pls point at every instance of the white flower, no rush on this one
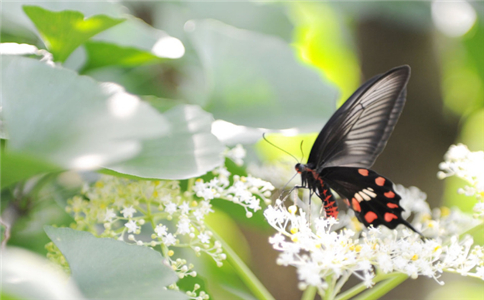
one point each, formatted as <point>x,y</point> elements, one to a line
<point>128,212</point>
<point>254,204</point>
<point>206,193</point>
<point>310,273</point>
<point>237,154</point>
<point>204,238</point>
<point>461,162</point>
<point>479,209</point>
<point>413,200</point>
<point>183,226</point>
<point>161,230</point>
<point>368,279</point>
<point>169,240</point>
<point>170,208</point>
<point>132,226</point>
<point>184,208</point>
<point>110,215</point>
<point>480,272</point>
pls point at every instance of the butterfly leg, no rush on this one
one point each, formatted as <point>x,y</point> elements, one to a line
<point>296,187</point>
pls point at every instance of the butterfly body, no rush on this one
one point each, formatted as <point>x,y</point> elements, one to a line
<point>347,147</point>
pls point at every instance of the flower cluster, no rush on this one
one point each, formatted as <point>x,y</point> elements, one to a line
<point>245,191</point>
<point>162,214</point>
<point>461,162</point>
<point>326,258</point>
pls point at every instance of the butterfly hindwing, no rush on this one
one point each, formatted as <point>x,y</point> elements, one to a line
<point>370,195</point>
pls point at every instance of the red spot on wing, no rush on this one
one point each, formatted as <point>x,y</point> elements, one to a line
<point>370,217</point>
<point>363,172</point>
<point>392,205</point>
<point>389,217</point>
<point>347,202</point>
<point>356,205</point>
<point>389,194</point>
<point>380,181</point>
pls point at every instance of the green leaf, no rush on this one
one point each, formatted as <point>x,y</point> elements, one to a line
<point>130,44</point>
<point>255,80</point>
<point>101,54</point>
<point>69,120</point>
<point>190,150</point>
<point>106,268</point>
<point>16,167</point>
<point>265,17</point>
<point>66,30</point>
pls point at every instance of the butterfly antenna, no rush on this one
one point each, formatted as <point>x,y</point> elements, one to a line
<point>264,137</point>
<point>302,152</point>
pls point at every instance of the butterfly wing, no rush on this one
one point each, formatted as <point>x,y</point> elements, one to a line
<point>370,195</point>
<point>359,130</point>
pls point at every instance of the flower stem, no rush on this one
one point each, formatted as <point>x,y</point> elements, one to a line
<point>351,292</point>
<point>309,293</point>
<point>245,274</point>
<point>471,230</point>
<point>328,294</point>
<point>393,279</point>
<point>191,181</point>
<point>381,289</point>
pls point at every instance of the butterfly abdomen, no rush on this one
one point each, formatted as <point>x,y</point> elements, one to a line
<point>312,180</point>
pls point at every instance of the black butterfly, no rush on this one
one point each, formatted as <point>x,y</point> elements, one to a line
<point>347,147</point>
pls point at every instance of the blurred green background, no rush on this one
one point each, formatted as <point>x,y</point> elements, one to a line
<point>283,66</point>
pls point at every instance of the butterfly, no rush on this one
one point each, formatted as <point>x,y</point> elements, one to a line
<point>348,145</point>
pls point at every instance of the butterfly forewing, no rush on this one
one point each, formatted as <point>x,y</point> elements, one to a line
<point>358,131</point>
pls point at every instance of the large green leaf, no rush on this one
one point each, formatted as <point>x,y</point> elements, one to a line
<point>69,120</point>
<point>66,30</point>
<point>109,269</point>
<point>189,151</point>
<point>264,17</point>
<point>255,80</point>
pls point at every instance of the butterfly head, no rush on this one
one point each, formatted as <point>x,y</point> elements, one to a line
<point>300,168</point>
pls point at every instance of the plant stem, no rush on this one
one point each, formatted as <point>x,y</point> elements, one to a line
<point>328,294</point>
<point>191,181</point>
<point>349,294</point>
<point>245,274</point>
<point>381,289</point>
<point>309,293</point>
<point>471,230</point>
